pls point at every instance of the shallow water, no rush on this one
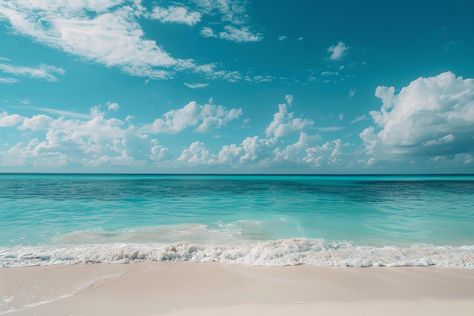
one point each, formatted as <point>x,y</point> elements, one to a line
<point>103,212</point>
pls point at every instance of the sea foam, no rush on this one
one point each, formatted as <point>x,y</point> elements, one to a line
<point>295,251</point>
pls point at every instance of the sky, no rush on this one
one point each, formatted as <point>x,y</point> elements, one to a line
<point>234,86</point>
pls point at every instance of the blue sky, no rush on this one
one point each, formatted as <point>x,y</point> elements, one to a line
<point>236,86</point>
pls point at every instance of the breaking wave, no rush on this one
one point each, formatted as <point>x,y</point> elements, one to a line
<point>283,252</point>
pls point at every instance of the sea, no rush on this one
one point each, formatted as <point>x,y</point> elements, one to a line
<point>264,220</point>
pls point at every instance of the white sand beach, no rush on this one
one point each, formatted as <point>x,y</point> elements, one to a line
<point>226,289</point>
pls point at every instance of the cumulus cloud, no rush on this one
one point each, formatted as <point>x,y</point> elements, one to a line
<point>157,151</point>
<point>285,122</point>
<point>46,72</point>
<point>7,120</point>
<point>270,150</point>
<point>196,153</point>
<point>93,140</point>
<point>328,153</point>
<point>252,148</point>
<point>204,117</point>
<point>292,151</point>
<point>260,151</point>
<point>27,154</point>
<point>72,141</point>
<point>337,51</point>
<point>432,116</point>
<point>306,150</point>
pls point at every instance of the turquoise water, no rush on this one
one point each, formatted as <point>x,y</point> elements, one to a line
<point>51,211</point>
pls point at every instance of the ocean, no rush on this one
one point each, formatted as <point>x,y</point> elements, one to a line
<point>337,221</point>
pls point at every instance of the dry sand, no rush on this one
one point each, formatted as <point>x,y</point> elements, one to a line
<point>219,289</point>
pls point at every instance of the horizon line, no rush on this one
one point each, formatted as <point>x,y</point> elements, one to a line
<point>236,174</point>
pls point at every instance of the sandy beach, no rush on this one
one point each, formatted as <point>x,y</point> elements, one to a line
<point>220,289</point>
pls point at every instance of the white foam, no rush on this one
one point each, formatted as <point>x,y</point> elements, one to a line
<point>294,251</point>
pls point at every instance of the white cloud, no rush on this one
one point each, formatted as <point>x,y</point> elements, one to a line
<point>431,116</point>
<point>337,51</point>
<point>239,34</point>
<point>93,140</point>
<point>207,32</point>
<point>45,72</point>
<point>61,112</point>
<point>62,141</point>
<point>232,11</point>
<point>271,151</point>
<point>442,140</point>
<point>157,151</point>
<point>360,118</point>
<point>210,71</point>
<point>203,117</point>
<point>196,153</point>
<point>36,122</point>
<point>7,120</point>
<point>196,85</point>
<point>259,78</point>
<point>175,121</point>
<point>233,34</point>
<point>8,80</point>
<point>214,117</point>
<point>327,129</point>
<point>108,31</point>
<point>289,99</point>
<point>176,14</point>
<point>293,151</point>
<point>113,106</point>
<point>456,160</point>
<point>282,37</point>
<point>255,151</point>
<point>23,154</point>
<point>252,148</point>
<point>284,122</point>
<point>328,153</point>
<point>105,32</point>
<point>329,73</point>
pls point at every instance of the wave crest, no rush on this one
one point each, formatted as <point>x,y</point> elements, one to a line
<point>282,252</point>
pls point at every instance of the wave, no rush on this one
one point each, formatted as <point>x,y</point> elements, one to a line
<point>221,233</point>
<point>283,252</point>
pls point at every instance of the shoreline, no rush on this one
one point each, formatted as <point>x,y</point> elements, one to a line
<point>279,252</point>
<point>158,288</point>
